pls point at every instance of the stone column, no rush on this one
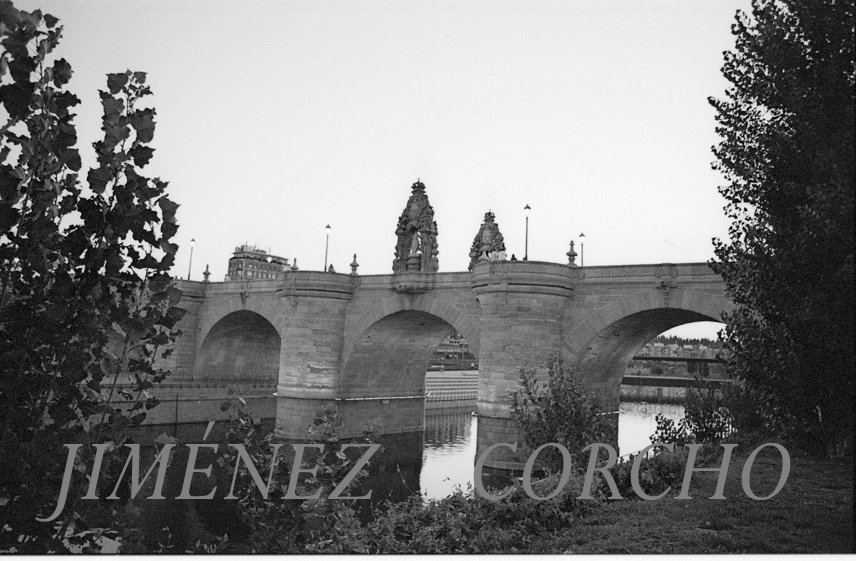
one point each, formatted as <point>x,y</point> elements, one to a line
<point>521,304</point>
<point>310,369</point>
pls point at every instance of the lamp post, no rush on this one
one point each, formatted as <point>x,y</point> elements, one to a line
<point>582,251</point>
<point>189,265</point>
<point>326,247</point>
<point>270,269</point>
<point>526,211</point>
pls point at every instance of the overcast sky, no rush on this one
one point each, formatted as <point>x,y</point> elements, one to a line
<point>276,118</point>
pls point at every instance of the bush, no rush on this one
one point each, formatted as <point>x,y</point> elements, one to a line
<point>656,474</point>
<point>290,526</point>
<point>561,412</point>
<point>466,523</point>
<point>707,418</point>
<point>461,523</point>
<point>249,522</point>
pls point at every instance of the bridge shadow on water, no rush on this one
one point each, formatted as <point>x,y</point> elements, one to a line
<point>423,463</point>
<point>432,463</point>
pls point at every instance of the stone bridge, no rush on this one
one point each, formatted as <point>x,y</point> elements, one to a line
<point>365,341</point>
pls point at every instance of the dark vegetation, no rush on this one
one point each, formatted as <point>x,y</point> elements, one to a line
<point>86,302</point>
<point>787,153</point>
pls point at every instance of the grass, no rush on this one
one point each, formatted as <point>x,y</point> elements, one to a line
<point>813,513</point>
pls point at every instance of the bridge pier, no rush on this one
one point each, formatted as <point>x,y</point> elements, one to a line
<point>314,304</point>
<point>312,375</point>
<point>521,305</point>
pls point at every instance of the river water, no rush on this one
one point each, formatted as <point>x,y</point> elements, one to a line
<point>449,445</point>
<point>433,462</point>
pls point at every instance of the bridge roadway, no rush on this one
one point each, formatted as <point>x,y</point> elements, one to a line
<point>365,342</point>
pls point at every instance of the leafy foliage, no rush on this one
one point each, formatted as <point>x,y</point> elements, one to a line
<point>560,411</point>
<point>657,473</point>
<point>707,419</point>
<point>465,523</point>
<point>85,295</point>
<point>787,153</point>
<point>461,523</point>
<point>277,524</point>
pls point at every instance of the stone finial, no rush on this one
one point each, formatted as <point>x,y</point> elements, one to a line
<point>572,255</point>
<point>206,274</point>
<point>330,269</point>
<point>487,242</point>
<point>354,266</point>
<point>294,265</point>
<point>416,248</point>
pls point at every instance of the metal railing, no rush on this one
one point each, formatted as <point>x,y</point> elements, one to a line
<point>468,394</point>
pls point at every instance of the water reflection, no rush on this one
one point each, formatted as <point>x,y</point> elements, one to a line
<point>441,458</point>
<point>432,462</point>
<point>448,452</point>
<point>449,447</point>
<point>637,422</point>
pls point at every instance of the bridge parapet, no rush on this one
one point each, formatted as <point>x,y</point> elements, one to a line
<point>295,284</point>
<point>413,283</point>
<point>627,275</point>
<point>531,277</point>
<point>391,281</point>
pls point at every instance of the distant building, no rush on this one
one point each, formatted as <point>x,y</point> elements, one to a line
<point>251,263</point>
<point>454,353</point>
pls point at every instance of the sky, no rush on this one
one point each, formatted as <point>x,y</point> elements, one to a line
<point>275,119</point>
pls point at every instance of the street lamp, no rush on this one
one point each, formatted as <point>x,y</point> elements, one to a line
<point>189,265</point>
<point>526,211</point>
<point>582,251</point>
<point>326,247</point>
<point>270,269</point>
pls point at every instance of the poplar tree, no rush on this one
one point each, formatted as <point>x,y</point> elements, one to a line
<point>87,307</point>
<point>787,154</point>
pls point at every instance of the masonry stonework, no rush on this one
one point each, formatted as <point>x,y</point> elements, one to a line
<point>364,342</point>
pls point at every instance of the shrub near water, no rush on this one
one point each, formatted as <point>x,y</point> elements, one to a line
<point>560,411</point>
<point>466,523</point>
<point>461,523</point>
<point>281,525</point>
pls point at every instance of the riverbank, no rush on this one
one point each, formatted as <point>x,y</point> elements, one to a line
<point>813,513</point>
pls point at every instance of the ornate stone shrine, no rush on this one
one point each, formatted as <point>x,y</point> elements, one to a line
<point>487,241</point>
<point>416,249</point>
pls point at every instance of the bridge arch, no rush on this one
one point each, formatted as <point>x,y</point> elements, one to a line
<point>388,350</point>
<point>601,346</point>
<point>268,309</point>
<point>452,314</point>
<point>242,346</point>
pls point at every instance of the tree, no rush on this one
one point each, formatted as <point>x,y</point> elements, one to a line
<point>85,294</point>
<point>692,367</point>
<point>787,154</point>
